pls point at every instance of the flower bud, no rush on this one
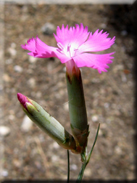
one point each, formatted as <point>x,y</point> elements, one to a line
<point>47,123</point>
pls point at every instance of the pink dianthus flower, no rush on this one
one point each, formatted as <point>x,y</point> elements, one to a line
<point>77,45</point>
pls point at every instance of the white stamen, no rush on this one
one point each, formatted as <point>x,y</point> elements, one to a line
<point>68,49</point>
<point>60,46</point>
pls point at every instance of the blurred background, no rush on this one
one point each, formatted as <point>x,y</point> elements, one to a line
<point>28,153</point>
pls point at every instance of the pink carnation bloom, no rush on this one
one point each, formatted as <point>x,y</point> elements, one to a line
<point>75,44</point>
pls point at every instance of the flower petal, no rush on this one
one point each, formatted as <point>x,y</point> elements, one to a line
<point>97,42</point>
<point>62,57</point>
<point>39,49</point>
<point>74,35</point>
<point>30,46</point>
<point>95,61</point>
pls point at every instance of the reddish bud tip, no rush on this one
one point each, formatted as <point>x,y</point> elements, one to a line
<point>23,99</point>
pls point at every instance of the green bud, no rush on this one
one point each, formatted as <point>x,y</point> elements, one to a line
<point>47,123</point>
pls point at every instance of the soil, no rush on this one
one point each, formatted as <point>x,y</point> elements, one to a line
<point>109,96</point>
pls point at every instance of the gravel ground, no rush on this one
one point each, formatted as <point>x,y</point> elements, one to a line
<point>109,97</point>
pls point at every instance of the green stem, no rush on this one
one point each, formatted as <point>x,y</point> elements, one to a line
<point>93,144</point>
<point>68,166</point>
<point>79,179</point>
<point>77,109</point>
<point>87,159</point>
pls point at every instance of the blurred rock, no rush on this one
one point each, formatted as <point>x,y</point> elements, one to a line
<point>18,68</point>
<point>54,158</point>
<point>25,9</point>
<point>48,29</point>
<point>13,45</point>
<point>100,132</point>
<point>103,125</point>
<point>87,172</point>
<point>32,82</point>
<point>124,33</point>
<point>4,173</point>
<point>38,164</point>
<point>106,105</point>
<point>1,88</point>
<point>12,51</point>
<point>66,106</point>
<point>118,67</point>
<point>17,163</point>
<point>38,94</point>
<point>26,124</point>
<point>95,80</point>
<point>103,26</point>
<point>9,61</point>
<point>4,131</point>
<point>6,78</point>
<point>123,78</point>
<point>118,150</point>
<point>55,145</point>
<point>41,138</point>
<point>11,117</point>
<point>73,167</point>
<point>32,60</point>
<point>94,118</point>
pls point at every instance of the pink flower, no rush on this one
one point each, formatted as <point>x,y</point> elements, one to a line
<point>76,44</point>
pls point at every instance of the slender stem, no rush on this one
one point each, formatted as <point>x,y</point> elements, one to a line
<point>79,179</point>
<point>93,144</point>
<point>68,166</point>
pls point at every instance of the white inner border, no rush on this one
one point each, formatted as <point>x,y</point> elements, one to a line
<point>1,81</point>
<point>2,2</point>
<point>70,1</point>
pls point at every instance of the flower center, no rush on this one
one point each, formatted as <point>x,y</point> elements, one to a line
<point>69,50</point>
